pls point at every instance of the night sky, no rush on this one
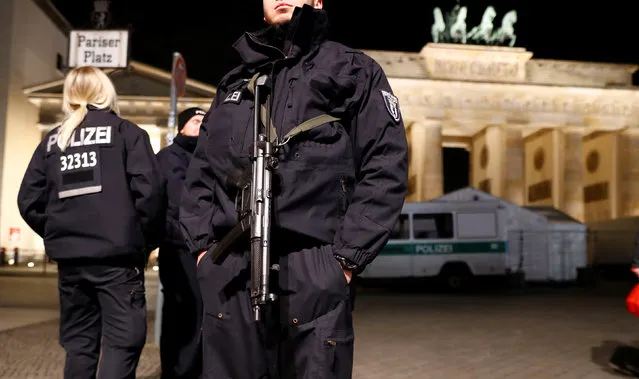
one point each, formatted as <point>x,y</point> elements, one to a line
<point>203,32</point>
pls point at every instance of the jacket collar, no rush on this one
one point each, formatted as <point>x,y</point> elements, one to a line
<point>186,142</point>
<point>96,109</point>
<point>307,29</point>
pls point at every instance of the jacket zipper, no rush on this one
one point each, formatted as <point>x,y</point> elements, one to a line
<point>284,57</point>
<point>266,45</point>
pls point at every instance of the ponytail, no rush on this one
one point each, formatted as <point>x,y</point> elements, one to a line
<point>68,126</point>
<point>84,85</point>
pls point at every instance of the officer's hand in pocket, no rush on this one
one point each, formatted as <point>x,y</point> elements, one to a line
<point>200,256</point>
<point>348,274</point>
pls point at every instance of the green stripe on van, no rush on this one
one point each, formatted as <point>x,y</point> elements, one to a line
<point>437,248</point>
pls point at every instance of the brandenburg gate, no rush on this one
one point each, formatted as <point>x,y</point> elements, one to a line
<point>539,132</point>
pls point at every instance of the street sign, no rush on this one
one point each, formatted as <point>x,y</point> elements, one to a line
<point>179,75</point>
<point>99,48</point>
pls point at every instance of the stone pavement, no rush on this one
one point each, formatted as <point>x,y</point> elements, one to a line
<point>12,318</point>
<point>562,333</point>
<point>33,352</point>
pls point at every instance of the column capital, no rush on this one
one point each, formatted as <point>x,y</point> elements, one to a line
<point>630,131</point>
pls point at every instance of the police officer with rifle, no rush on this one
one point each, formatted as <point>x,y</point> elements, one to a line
<point>299,174</point>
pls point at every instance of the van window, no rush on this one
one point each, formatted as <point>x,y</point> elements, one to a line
<point>400,231</point>
<point>433,226</point>
<point>476,225</point>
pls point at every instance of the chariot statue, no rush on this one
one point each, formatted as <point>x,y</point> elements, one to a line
<point>483,32</point>
<point>452,28</point>
<point>458,24</point>
<point>438,29</point>
<point>506,31</point>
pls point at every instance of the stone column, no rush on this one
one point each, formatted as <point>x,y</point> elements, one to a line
<point>426,159</point>
<point>498,157</point>
<point>515,186</point>
<point>411,195</point>
<point>601,153</point>
<point>573,174</point>
<point>629,162</point>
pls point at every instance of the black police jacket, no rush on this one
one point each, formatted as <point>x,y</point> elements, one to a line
<point>174,161</point>
<point>102,197</point>
<point>342,183</point>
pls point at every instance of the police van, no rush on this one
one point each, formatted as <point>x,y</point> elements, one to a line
<point>449,241</point>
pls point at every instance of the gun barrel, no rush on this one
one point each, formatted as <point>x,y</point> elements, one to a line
<point>261,209</point>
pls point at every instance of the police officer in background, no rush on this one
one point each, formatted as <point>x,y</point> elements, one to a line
<point>339,189</point>
<point>95,193</point>
<point>180,349</point>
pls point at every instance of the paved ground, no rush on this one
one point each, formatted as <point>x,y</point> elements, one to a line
<point>543,335</point>
<point>32,351</point>
<point>538,334</point>
<point>12,318</point>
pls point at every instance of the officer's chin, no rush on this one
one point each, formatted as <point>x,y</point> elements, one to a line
<point>280,19</point>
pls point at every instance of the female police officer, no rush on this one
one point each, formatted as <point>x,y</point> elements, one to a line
<point>94,192</point>
<point>340,187</point>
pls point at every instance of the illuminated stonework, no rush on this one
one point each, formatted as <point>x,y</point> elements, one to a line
<point>527,123</point>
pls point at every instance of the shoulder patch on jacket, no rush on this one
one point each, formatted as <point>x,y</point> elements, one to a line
<point>392,105</point>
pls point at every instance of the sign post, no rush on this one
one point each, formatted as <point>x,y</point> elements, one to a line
<point>178,85</point>
<point>99,47</point>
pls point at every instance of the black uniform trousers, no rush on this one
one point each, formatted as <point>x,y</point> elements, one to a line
<point>308,334</point>
<point>102,317</point>
<point>180,347</point>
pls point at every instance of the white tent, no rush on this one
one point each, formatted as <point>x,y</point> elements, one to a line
<point>545,243</point>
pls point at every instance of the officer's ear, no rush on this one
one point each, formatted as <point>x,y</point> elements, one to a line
<point>318,4</point>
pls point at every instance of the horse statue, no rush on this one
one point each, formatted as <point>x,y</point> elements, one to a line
<point>506,31</point>
<point>458,27</point>
<point>483,32</point>
<point>439,26</point>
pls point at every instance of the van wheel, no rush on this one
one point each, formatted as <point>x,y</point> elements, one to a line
<point>456,278</point>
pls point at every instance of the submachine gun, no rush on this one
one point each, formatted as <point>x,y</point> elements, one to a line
<point>254,203</point>
<point>254,195</point>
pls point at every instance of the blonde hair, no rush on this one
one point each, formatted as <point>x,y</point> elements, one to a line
<point>83,86</point>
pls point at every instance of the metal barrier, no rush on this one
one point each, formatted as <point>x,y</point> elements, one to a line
<point>612,247</point>
<point>558,255</point>
<point>547,255</point>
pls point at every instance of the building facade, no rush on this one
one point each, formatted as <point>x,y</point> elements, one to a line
<point>32,40</point>
<point>539,132</point>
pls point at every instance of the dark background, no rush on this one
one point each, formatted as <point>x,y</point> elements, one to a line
<point>203,31</point>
